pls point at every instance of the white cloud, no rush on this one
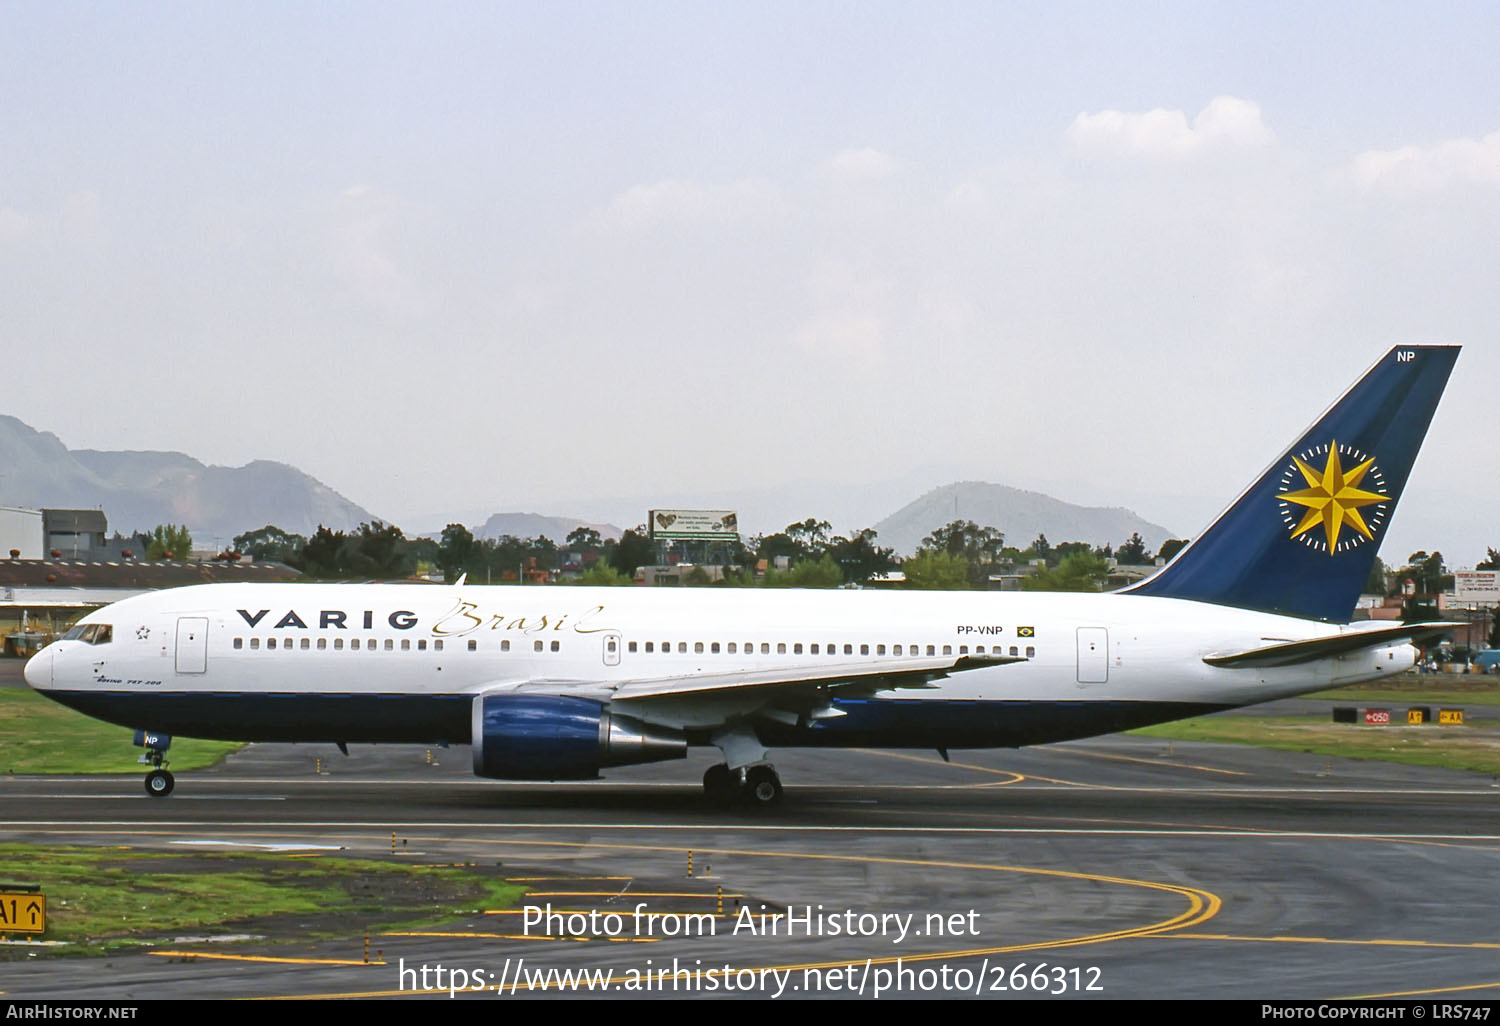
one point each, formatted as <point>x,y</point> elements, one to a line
<point>676,201</point>
<point>1166,134</point>
<point>857,336</point>
<point>363,248</point>
<point>864,164</point>
<point>13,225</point>
<point>1430,168</point>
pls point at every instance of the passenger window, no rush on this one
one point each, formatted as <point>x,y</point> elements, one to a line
<point>963,649</point>
<point>864,650</point>
<point>1030,652</point>
<point>1013,651</point>
<point>698,647</point>
<point>947,650</point>
<point>437,646</point>
<point>880,650</point>
<point>536,646</point>
<point>406,644</point>
<point>731,648</point>
<point>473,645</point>
<point>781,648</point>
<point>765,648</point>
<point>239,642</point>
<point>896,650</point>
<point>390,646</point>
<point>631,647</point>
<point>254,644</point>
<point>421,644</point>
<point>797,648</point>
<point>682,647</point>
<point>649,646</point>
<point>270,642</point>
<point>556,646</point>
<point>504,645</point>
<point>814,648</point>
<point>714,648</point>
<point>338,644</point>
<point>931,650</point>
<point>354,644</point>
<point>979,649</point>
<point>306,644</point>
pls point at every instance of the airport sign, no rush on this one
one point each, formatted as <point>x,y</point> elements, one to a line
<point>23,912</point>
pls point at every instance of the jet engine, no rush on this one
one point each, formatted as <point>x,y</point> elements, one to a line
<point>557,737</point>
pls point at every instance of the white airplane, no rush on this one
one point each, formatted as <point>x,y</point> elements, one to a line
<point>556,683</point>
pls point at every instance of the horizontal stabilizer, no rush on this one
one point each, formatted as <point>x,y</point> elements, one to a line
<point>1290,653</point>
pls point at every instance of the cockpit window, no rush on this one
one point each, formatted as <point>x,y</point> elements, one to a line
<point>91,633</point>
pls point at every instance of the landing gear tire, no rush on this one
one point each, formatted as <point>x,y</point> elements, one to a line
<point>762,787</point>
<point>719,786</point>
<point>159,783</point>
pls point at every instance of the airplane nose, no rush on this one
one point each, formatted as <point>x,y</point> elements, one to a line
<point>38,669</point>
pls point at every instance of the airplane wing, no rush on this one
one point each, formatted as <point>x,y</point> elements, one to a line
<point>878,676</point>
<point>1290,653</point>
<point>866,677</point>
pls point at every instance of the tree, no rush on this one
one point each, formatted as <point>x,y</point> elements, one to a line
<point>1040,549</point>
<point>584,539</point>
<point>802,541</point>
<point>1170,548</point>
<point>1082,571</point>
<point>168,542</point>
<point>1133,552</point>
<point>978,547</point>
<point>635,549</point>
<point>860,559</point>
<point>270,543</point>
<point>820,573</point>
<point>936,570</point>
<point>601,575</point>
<point>1492,563</point>
<point>456,552</point>
<point>1379,579</point>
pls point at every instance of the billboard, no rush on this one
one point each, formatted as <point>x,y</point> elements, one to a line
<point>1477,586</point>
<point>694,524</point>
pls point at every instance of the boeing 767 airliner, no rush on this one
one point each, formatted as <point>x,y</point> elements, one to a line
<point>557,683</point>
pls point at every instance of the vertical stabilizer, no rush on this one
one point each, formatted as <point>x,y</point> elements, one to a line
<point>1302,539</point>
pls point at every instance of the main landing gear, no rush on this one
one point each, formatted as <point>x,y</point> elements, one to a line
<point>757,785</point>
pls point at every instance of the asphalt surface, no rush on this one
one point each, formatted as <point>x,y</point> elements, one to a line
<point>1144,869</point>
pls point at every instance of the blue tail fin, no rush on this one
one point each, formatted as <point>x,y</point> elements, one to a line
<point>1302,539</point>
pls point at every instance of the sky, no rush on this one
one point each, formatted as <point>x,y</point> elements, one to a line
<point>513,256</point>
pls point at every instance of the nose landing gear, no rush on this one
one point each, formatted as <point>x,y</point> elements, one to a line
<point>159,782</point>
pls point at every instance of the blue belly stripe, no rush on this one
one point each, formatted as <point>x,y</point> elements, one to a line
<point>425,719</point>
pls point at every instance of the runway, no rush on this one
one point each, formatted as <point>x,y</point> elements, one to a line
<point>1122,867</point>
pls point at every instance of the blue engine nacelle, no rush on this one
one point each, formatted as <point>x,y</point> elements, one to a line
<point>555,737</point>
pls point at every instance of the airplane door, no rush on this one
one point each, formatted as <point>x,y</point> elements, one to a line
<point>611,648</point>
<point>192,644</point>
<point>1093,655</point>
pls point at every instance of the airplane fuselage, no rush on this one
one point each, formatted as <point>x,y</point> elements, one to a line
<point>404,663</point>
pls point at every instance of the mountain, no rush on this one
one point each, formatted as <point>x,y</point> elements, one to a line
<point>1019,515</point>
<point>138,490</point>
<point>530,525</point>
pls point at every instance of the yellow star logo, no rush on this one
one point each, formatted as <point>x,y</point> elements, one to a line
<point>1333,498</point>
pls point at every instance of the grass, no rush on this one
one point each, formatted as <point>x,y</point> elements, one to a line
<point>1460,748</point>
<point>1421,689</point>
<point>103,899</point>
<point>38,735</point>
